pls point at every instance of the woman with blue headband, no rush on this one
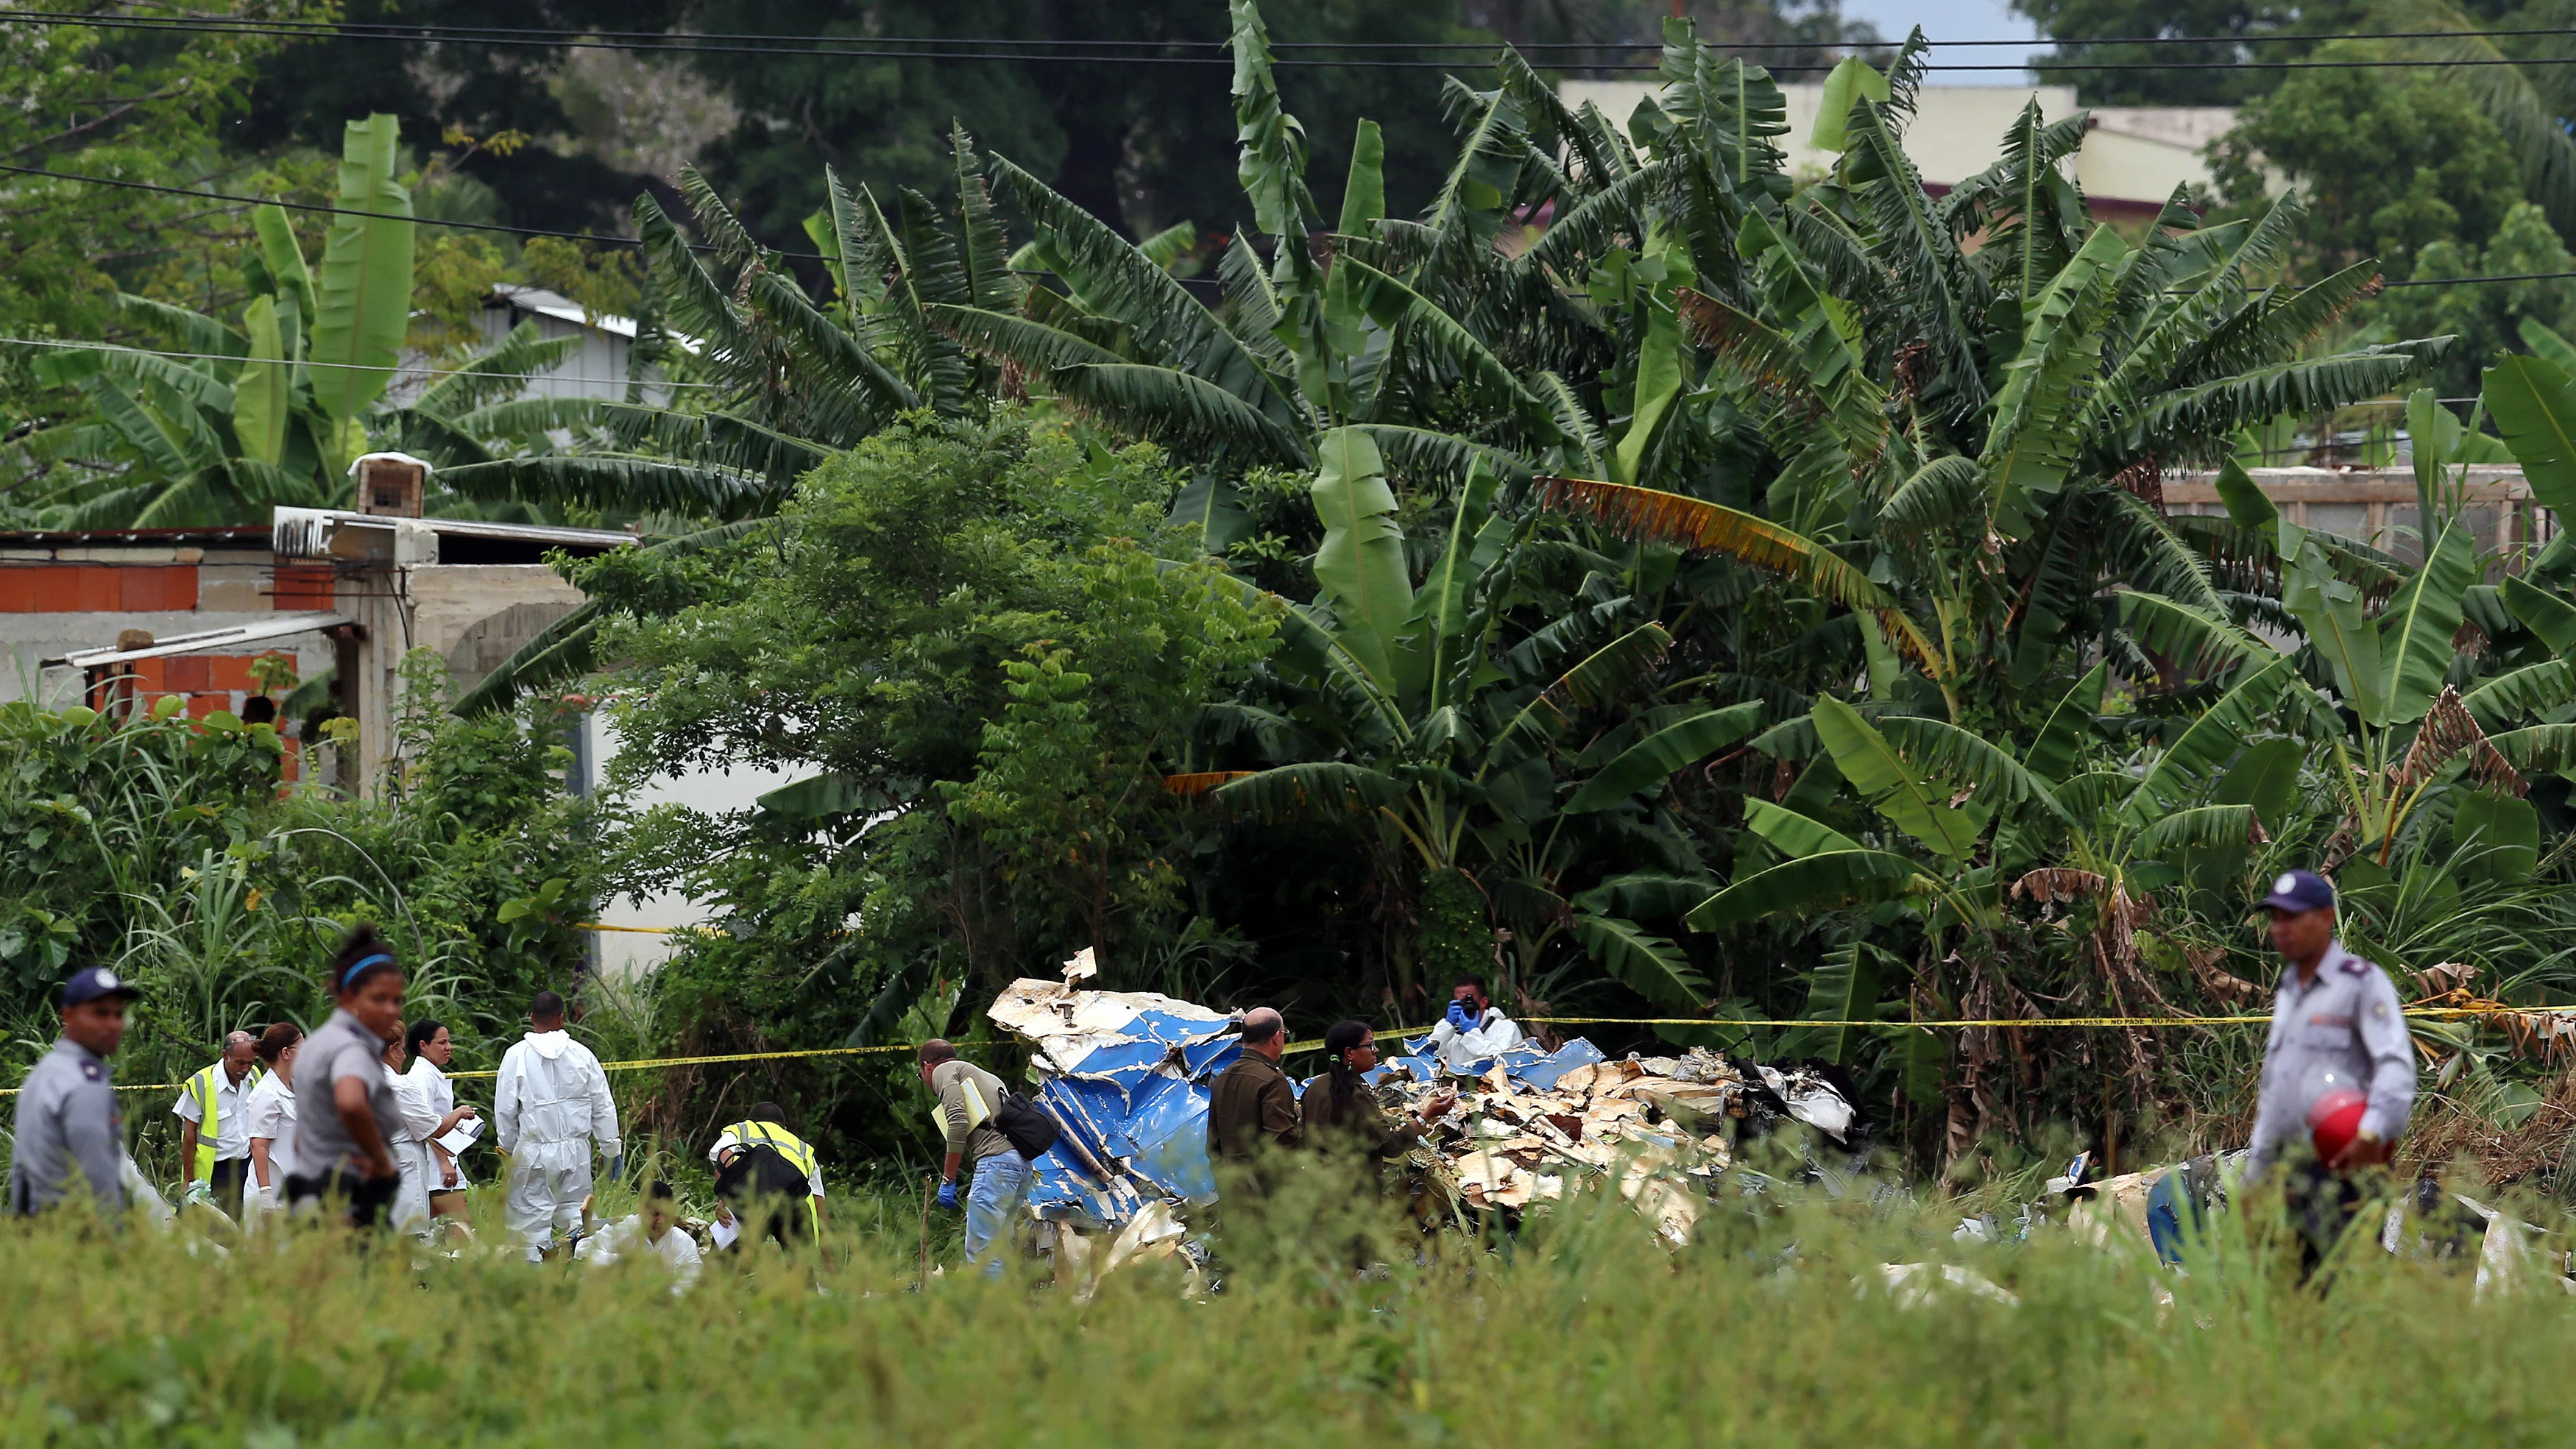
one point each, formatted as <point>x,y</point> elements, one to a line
<point>349,1116</point>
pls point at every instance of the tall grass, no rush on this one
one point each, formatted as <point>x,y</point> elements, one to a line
<point>1770,1328</point>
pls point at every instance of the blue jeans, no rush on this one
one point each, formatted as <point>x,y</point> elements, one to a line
<point>1001,1181</point>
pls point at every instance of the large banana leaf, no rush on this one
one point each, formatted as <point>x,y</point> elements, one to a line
<point>1808,884</point>
<point>1842,990</point>
<point>364,304</point>
<point>1309,791</point>
<point>2187,768</point>
<point>1795,834</point>
<point>2029,444</point>
<point>1645,963</point>
<point>2521,694</point>
<point>2200,643</point>
<point>2054,750</point>
<point>2533,402</point>
<point>1361,561</point>
<point>1692,523</point>
<point>1112,279</point>
<point>1656,758</point>
<point>1880,773</point>
<point>1435,634</point>
<point>1180,410</point>
<point>264,392</point>
<point>1945,754</point>
<point>619,484</point>
<point>2543,613</point>
<point>2416,629</point>
<point>2330,610</point>
<point>283,257</point>
<point>2202,827</point>
<point>1272,169</point>
<point>1600,674</point>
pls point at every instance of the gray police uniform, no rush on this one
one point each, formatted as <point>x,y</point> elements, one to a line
<point>68,1123</point>
<point>2350,1023</point>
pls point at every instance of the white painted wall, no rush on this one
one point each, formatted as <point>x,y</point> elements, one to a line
<point>2134,153</point>
<point>630,951</point>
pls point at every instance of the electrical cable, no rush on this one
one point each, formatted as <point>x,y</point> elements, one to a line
<point>342,29</point>
<point>1051,52</point>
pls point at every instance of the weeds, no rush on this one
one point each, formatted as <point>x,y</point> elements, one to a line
<point>1772,1327</point>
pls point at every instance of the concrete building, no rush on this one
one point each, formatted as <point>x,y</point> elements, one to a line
<point>2378,506</point>
<point>2132,159</point>
<point>598,365</point>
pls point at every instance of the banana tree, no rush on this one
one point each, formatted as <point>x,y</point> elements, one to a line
<point>1342,328</point>
<point>1954,437</point>
<point>1408,711</point>
<point>270,411</point>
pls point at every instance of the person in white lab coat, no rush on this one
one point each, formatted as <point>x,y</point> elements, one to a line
<point>550,1106</point>
<point>414,1122</point>
<point>432,1048</point>
<point>1474,1030</point>
<point>270,1113</point>
<point>651,1232</point>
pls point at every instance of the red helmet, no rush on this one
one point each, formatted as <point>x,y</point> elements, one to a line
<point>2334,1119</point>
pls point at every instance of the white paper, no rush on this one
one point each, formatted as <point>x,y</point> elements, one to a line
<point>723,1231</point>
<point>461,1136</point>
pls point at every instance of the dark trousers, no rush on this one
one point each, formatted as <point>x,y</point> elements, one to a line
<point>366,1198</point>
<point>231,1182</point>
<point>2322,1204</point>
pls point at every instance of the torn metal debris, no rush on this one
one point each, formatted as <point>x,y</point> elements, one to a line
<point>1127,1076</point>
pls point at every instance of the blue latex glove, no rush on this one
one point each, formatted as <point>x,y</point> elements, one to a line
<point>1459,1018</point>
<point>617,1167</point>
<point>948,1196</point>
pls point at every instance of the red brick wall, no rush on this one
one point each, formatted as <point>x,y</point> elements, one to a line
<point>95,588</point>
<point>303,586</point>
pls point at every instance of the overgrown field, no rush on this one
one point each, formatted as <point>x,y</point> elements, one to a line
<point>1582,1331</point>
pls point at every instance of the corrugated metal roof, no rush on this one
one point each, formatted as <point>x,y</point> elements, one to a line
<point>275,628</point>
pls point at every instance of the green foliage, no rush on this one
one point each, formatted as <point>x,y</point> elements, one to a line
<point>2389,165</point>
<point>1456,940</point>
<point>163,847</point>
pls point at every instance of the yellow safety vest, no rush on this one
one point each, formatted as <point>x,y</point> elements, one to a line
<point>203,1087</point>
<point>788,1146</point>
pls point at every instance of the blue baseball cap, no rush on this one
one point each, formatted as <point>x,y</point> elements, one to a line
<point>95,982</point>
<point>2300,890</point>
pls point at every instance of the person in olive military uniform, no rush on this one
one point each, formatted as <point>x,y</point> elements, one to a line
<point>1340,1113</point>
<point>1252,1110</point>
<point>69,1131</point>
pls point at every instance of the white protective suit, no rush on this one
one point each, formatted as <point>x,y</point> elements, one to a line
<point>550,1103</point>
<point>1459,1051</point>
<point>625,1239</point>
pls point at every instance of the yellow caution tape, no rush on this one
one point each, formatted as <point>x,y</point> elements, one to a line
<point>2416,1013</point>
<point>634,1066</point>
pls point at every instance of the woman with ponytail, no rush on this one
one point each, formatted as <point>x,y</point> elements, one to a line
<point>1342,1113</point>
<point>348,1117</point>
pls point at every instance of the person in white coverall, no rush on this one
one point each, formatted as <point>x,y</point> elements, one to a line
<point>550,1103</point>
<point>1474,1029</point>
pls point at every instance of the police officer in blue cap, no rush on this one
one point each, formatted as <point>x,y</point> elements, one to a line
<point>2338,1069</point>
<point>69,1132</point>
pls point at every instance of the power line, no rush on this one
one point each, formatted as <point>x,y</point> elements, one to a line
<point>353,29</point>
<point>1052,52</point>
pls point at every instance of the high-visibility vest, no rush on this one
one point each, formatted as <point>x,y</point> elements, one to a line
<point>788,1146</point>
<point>203,1087</point>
